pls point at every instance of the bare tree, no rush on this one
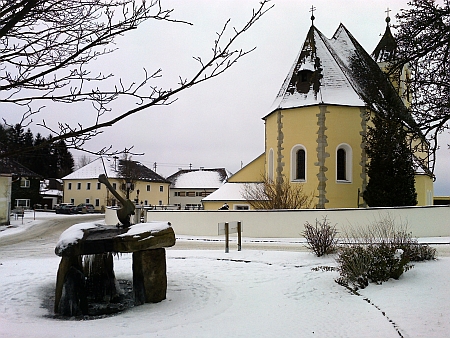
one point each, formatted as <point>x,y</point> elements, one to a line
<point>276,195</point>
<point>424,43</point>
<point>46,46</point>
<point>83,160</point>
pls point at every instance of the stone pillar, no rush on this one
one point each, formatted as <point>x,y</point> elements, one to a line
<point>70,293</point>
<point>149,276</point>
<point>322,155</point>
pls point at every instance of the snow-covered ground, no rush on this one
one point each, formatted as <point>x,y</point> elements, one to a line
<point>251,293</point>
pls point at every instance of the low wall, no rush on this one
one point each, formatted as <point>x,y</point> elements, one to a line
<point>431,221</point>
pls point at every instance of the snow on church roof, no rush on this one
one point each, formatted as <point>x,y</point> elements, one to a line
<point>322,73</point>
<point>319,74</point>
<point>198,178</point>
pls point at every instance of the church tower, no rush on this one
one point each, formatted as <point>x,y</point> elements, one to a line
<point>385,54</point>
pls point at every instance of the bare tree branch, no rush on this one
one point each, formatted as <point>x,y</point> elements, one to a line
<point>45,47</point>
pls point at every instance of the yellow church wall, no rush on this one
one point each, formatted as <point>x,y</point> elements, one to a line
<point>252,172</point>
<point>424,189</point>
<point>299,127</point>
<point>343,130</point>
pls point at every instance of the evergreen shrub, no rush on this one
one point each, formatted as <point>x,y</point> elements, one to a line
<point>377,253</point>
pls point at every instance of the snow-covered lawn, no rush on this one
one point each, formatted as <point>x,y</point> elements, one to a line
<point>252,293</point>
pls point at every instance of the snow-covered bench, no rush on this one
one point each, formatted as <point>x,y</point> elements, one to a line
<point>145,240</point>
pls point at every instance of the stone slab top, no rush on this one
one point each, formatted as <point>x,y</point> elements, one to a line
<point>91,238</point>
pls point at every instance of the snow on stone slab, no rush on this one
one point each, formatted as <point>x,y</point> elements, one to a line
<point>149,227</point>
<point>72,235</point>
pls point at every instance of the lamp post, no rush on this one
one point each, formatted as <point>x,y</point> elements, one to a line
<point>128,188</point>
<point>137,197</point>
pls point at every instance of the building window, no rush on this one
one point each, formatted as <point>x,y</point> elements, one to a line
<point>114,185</point>
<point>270,165</point>
<point>304,78</point>
<point>72,201</point>
<point>202,193</point>
<point>97,202</point>
<point>298,163</point>
<point>341,165</point>
<point>148,187</point>
<point>87,201</point>
<point>24,183</point>
<point>160,203</point>
<point>99,185</point>
<point>88,186</point>
<point>145,202</point>
<point>161,188</point>
<point>22,203</point>
<point>78,186</point>
<point>344,163</point>
<point>190,194</point>
<point>69,186</point>
<point>241,207</point>
<point>124,186</point>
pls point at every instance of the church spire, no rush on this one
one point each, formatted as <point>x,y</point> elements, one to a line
<point>312,9</point>
<point>386,48</point>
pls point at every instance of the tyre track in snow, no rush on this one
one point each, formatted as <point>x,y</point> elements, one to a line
<point>40,239</point>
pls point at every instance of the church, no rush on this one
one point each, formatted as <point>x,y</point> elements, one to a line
<point>315,130</point>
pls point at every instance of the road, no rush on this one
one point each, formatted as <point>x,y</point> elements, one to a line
<point>40,239</point>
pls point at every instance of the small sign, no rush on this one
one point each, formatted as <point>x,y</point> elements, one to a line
<point>232,227</point>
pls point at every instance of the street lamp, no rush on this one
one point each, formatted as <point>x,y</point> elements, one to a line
<point>128,188</point>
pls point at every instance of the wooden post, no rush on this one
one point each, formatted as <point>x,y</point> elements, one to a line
<point>239,236</point>
<point>227,238</point>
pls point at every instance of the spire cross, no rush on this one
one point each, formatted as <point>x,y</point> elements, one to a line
<point>388,19</point>
<point>387,12</point>
<point>312,13</point>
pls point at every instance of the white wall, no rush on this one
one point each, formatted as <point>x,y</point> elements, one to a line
<point>432,221</point>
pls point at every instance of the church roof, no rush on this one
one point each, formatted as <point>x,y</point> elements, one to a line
<point>319,75</point>
<point>328,71</point>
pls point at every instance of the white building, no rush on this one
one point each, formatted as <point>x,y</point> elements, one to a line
<point>189,186</point>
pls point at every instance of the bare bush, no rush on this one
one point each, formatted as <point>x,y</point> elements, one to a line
<point>321,237</point>
<point>268,194</point>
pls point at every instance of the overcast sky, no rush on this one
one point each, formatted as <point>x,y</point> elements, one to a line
<point>218,123</point>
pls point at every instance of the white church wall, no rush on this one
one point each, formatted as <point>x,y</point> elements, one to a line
<point>429,221</point>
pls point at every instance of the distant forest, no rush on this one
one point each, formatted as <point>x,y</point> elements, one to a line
<point>48,160</point>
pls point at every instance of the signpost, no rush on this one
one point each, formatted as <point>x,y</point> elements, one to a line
<point>228,228</point>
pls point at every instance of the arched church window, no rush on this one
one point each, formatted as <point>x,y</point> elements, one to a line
<point>298,163</point>
<point>341,165</point>
<point>301,161</point>
<point>344,163</point>
<point>270,165</point>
